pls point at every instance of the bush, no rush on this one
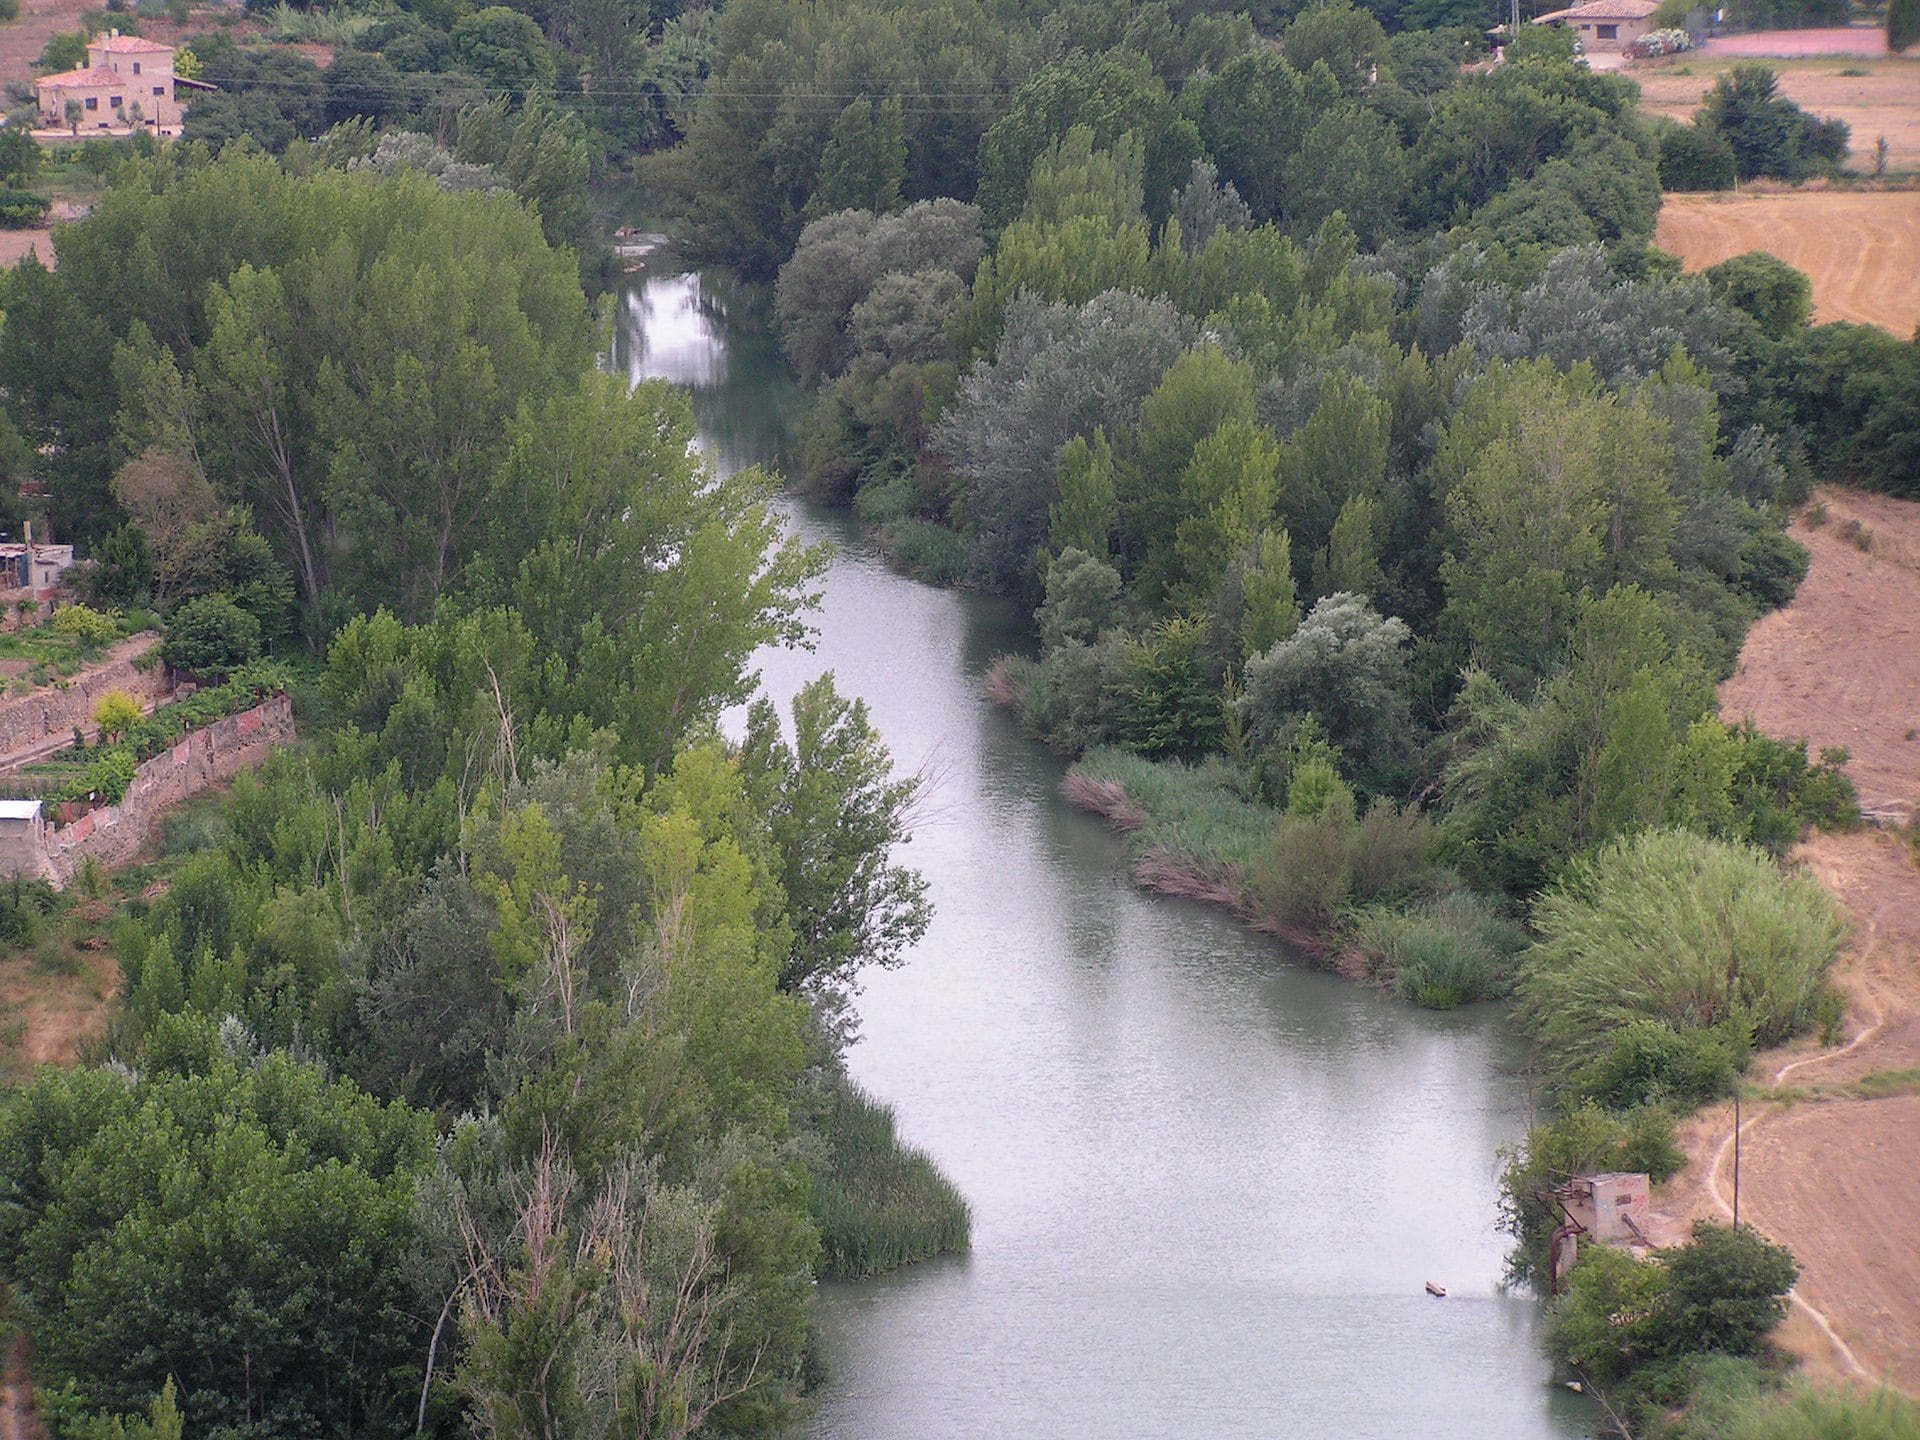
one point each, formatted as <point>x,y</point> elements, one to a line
<point>211,636</point>
<point>1674,927</point>
<point>1442,954</point>
<point>1725,1291</point>
<point>88,626</point>
<point>1694,157</point>
<point>20,210</point>
<point>1648,1061</point>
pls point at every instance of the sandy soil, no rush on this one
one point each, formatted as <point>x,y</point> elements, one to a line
<point>1824,1168</point>
<point>1860,248</point>
<point>49,1012</point>
<point>1884,101</point>
<point>1867,40</point>
<point>14,245</point>
<point>1841,665</point>
<point>17,1420</point>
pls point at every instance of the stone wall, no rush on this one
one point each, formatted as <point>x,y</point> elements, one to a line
<point>115,834</point>
<point>51,712</point>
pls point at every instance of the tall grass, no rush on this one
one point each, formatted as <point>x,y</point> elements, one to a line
<point>1674,927</point>
<point>880,1204</point>
<point>1193,817</point>
<point>286,25</point>
<point>1735,1400</point>
<point>1441,953</point>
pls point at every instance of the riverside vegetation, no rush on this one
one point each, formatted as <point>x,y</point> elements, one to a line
<point>478,1069</point>
<point>1388,510</point>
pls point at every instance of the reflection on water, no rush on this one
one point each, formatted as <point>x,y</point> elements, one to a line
<point>1208,1183</point>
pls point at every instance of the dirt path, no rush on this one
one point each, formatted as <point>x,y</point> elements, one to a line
<point>1829,1158</point>
<point>1858,247</point>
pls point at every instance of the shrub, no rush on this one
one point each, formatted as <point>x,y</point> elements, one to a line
<point>20,210</point>
<point>1725,1291</point>
<point>1602,1325</point>
<point>1694,157</point>
<point>1304,878</point>
<point>1447,952</point>
<point>88,626</point>
<point>1648,1061</point>
<point>211,636</point>
<point>1674,927</point>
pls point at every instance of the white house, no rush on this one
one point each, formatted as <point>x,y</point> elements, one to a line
<point>126,84</point>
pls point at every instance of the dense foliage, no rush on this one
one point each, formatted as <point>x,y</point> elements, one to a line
<point>579,966</point>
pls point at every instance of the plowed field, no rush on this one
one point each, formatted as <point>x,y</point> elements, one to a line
<point>1860,248</point>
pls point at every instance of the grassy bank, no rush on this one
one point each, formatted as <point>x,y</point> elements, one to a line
<point>879,1202</point>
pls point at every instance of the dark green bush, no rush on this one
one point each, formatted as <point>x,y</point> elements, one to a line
<point>211,636</point>
<point>20,210</point>
<point>1651,1062</point>
<point>1694,157</point>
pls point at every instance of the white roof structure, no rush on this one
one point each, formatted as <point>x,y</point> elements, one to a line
<point>19,809</point>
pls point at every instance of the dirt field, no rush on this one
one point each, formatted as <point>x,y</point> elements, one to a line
<point>1859,248</point>
<point>1829,1165</point>
<point>1884,101</point>
<point>22,40</point>
<point>50,1011</point>
<point>1841,665</point>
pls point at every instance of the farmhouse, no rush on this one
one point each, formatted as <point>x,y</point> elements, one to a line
<point>1605,26</point>
<point>127,84</point>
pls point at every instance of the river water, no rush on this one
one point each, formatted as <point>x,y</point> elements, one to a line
<point>1208,1183</point>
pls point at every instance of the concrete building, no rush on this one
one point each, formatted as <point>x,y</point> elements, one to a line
<point>1605,27</point>
<point>127,84</point>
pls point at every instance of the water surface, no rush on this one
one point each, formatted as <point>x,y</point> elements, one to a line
<point>1209,1183</point>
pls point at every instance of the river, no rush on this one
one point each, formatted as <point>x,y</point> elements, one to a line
<point>1209,1183</point>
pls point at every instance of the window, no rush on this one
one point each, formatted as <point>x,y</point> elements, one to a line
<point>116,101</point>
<point>93,102</point>
<point>159,89</point>
<point>1607,32</point>
<point>136,67</point>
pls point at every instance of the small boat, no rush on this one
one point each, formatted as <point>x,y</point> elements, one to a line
<point>1439,1292</point>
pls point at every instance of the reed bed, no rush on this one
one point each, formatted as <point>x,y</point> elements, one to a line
<point>879,1203</point>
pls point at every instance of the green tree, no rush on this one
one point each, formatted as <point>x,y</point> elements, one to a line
<point>115,713</point>
<point>1903,25</point>
<point>620,552</point>
<point>865,163</point>
<point>1343,37</point>
<point>1111,94</point>
<point>144,1206</point>
<point>505,49</point>
<point>1346,666</point>
<point>836,810</point>
<point>1087,513</point>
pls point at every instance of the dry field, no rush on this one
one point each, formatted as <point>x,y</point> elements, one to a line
<point>1829,1165</point>
<point>1884,101</point>
<point>1860,248</point>
<point>1841,664</point>
<point>22,40</point>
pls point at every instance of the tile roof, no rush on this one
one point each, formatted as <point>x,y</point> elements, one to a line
<point>98,75</point>
<point>129,45</point>
<point>1604,10</point>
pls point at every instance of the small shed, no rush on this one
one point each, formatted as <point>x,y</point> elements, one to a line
<point>21,823</point>
<point>1614,1208</point>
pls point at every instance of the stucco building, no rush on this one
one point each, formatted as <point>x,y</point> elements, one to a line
<point>1605,26</point>
<point>127,84</point>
